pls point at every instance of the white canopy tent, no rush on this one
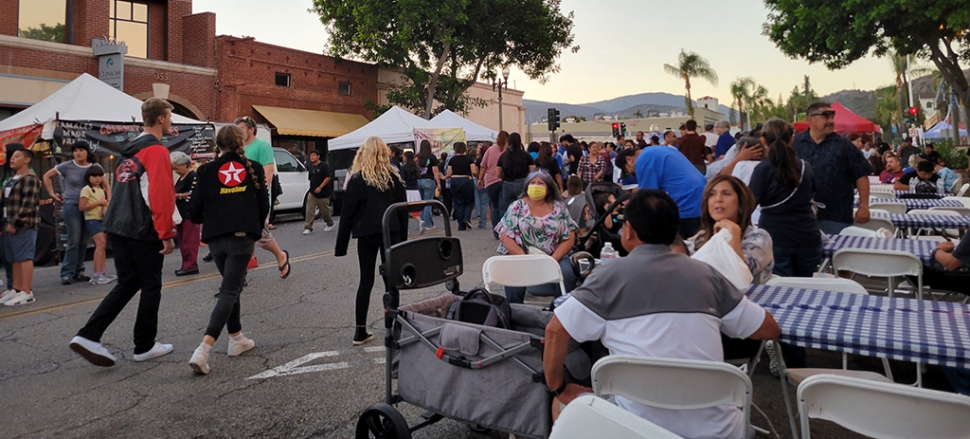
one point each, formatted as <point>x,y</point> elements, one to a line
<point>394,126</point>
<point>473,131</point>
<point>85,98</point>
<point>938,132</point>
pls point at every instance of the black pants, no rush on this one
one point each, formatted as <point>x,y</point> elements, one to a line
<point>463,193</point>
<point>447,200</point>
<point>367,249</point>
<point>139,267</point>
<point>231,255</point>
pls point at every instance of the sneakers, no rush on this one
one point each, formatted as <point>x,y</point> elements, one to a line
<point>102,279</point>
<point>239,344</point>
<point>772,359</point>
<point>92,351</point>
<point>7,295</point>
<point>156,351</point>
<point>200,359</point>
<point>329,228</point>
<point>307,232</point>
<point>21,298</point>
<point>361,336</point>
<point>67,280</point>
<point>81,277</point>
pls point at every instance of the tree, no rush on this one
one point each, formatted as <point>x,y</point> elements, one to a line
<point>56,33</point>
<point>691,65</point>
<point>887,107</point>
<point>638,114</point>
<point>741,91</point>
<point>839,32</point>
<point>444,47</point>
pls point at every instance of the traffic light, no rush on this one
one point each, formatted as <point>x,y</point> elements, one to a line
<point>913,110</point>
<point>553,118</point>
<point>623,128</point>
<point>616,130</point>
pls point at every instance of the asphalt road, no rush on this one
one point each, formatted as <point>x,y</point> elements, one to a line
<point>48,391</point>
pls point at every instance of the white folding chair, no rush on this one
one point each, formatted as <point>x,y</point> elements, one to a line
<point>883,191</point>
<point>963,190</point>
<point>675,384</point>
<point>934,211</point>
<point>858,231</point>
<point>876,223</point>
<point>965,211</point>
<point>521,271</point>
<point>889,207</point>
<point>590,416</point>
<point>880,263</point>
<point>883,410</point>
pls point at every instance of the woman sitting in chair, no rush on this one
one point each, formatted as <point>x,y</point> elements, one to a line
<point>728,204</point>
<point>539,220</point>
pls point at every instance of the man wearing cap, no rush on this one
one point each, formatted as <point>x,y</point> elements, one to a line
<point>72,181</point>
<point>906,150</point>
<point>318,198</point>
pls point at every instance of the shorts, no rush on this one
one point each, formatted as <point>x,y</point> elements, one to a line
<point>94,227</point>
<point>19,247</point>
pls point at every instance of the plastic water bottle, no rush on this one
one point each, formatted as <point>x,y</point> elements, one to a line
<point>607,254</point>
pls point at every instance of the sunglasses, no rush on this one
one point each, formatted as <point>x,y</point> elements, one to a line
<point>826,114</point>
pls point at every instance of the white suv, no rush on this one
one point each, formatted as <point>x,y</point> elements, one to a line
<point>294,180</point>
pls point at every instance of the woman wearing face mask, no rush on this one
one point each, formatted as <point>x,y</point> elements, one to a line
<point>539,219</point>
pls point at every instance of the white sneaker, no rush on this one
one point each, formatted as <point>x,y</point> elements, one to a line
<point>7,295</point>
<point>328,228</point>
<point>156,351</point>
<point>92,351</point>
<point>307,231</point>
<point>200,360</point>
<point>238,347</point>
<point>21,298</point>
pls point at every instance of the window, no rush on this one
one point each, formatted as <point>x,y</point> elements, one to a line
<point>345,88</point>
<point>128,23</point>
<point>43,20</point>
<point>285,162</point>
<point>283,79</point>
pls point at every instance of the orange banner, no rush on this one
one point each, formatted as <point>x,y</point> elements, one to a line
<point>26,135</point>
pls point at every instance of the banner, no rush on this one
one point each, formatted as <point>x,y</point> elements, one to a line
<point>442,140</point>
<point>26,135</point>
<point>196,140</point>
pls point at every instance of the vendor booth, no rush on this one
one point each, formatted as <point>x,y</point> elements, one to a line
<point>846,122</point>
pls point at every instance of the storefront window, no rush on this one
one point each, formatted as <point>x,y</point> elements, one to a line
<point>43,20</point>
<point>128,22</point>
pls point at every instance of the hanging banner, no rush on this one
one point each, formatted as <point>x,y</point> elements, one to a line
<point>25,135</point>
<point>442,140</point>
<point>106,138</point>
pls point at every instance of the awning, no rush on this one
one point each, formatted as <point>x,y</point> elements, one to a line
<point>295,122</point>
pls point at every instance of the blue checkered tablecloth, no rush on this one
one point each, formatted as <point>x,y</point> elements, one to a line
<point>875,326</point>
<point>922,249</point>
<point>916,203</point>
<point>926,221</point>
<point>900,193</point>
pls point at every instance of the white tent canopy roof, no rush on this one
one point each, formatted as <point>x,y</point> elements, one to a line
<point>473,131</point>
<point>85,98</point>
<point>937,131</point>
<point>394,126</point>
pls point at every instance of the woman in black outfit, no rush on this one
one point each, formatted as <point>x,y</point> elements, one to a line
<point>460,170</point>
<point>513,166</point>
<point>546,161</point>
<point>374,184</point>
<point>427,182</point>
<point>231,201</point>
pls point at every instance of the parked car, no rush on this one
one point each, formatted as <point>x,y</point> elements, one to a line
<point>294,179</point>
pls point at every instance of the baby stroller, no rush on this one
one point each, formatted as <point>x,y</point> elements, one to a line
<point>483,375</point>
<point>596,231</point>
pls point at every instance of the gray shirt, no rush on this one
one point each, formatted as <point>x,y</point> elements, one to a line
<point>72,180</point>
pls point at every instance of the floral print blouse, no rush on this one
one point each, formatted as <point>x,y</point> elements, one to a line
<point>757,250</point>
<point>544,233</point>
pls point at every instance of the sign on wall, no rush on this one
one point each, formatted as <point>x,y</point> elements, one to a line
<point>111,61</point>
<point>106,138</point>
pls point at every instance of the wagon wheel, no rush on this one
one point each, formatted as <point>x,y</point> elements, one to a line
<point>382,421</point>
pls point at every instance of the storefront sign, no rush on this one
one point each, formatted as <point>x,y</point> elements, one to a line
<point>111,61</point>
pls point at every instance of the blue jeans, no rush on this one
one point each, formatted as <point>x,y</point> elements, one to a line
<point>510,192</point>
<point>517,294</point>
<point>796,262</point>
<point>481,205</point>
<point>463,197</point>
<point>426,186</point>
<point>832,227</point>
<point>77,240</point>
<point>494,199</point>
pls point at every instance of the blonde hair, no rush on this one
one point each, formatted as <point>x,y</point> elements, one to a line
<point>373,163</point>
<point>230,138</point>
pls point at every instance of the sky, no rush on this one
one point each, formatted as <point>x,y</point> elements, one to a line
<point>623,47</point>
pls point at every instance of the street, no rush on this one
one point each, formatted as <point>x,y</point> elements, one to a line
<point>303,379</point>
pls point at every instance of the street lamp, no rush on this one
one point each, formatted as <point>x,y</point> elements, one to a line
<point>499,84</point>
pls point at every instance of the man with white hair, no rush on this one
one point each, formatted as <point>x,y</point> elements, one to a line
<point>724,138</point>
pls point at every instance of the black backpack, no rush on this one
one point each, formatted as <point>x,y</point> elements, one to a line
<point>482,308</point>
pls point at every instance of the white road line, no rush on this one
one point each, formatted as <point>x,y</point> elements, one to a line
<point>292,368</point>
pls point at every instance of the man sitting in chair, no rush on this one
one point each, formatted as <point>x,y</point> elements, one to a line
<point>656,303</point>
<point>953,277</point>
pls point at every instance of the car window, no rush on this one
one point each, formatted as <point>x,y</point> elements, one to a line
<point>286,162</point>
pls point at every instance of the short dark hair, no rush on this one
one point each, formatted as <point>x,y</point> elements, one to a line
<point>93,171</point>
<point>655,139</point>
<point>691,125</point>
<point>654,217</point>
<point>709,127</point>
<point>925,166</point>
<point>621,156</point>
<point>816,106</point>
<point>852,137</point>
<point>567,138</point>
<point>929,145</point>
<point>313,151</point>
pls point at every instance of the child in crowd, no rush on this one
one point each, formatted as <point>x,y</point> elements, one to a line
<point>93,203</point>
<point>21,202</point>
<point>927,180</point>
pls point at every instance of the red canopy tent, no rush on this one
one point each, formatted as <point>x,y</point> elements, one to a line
<point>846,122</point>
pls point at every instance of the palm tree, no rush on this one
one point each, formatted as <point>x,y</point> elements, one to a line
<point>741,90</point>
<point>638,114</point>
<point>887,106</point>
<point>691,65</point>
<point>902,67</point>
<point>759,95</point>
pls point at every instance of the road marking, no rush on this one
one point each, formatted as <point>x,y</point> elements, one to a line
<point>293,367</point>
